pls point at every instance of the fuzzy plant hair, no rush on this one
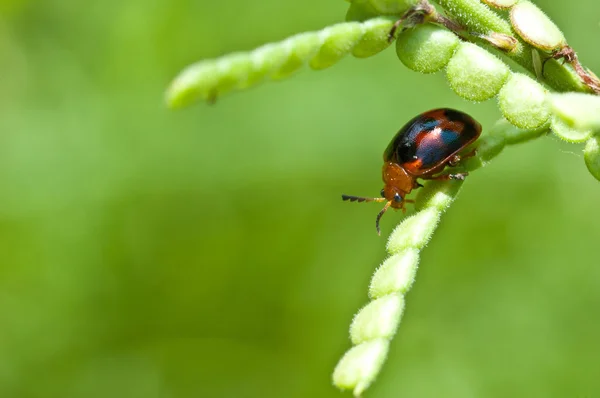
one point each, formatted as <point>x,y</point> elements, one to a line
<point>470,40</point>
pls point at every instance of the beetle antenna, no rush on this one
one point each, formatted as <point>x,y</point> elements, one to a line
<point>387,206</point>
<point>362,199</point>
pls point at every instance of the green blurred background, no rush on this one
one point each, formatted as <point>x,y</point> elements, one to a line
<point>206,252</point>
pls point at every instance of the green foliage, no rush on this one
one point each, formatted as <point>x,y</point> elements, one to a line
<point>206,252</point>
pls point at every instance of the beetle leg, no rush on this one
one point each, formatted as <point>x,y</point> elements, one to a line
<point>445,177</point>
<point>454,161</point>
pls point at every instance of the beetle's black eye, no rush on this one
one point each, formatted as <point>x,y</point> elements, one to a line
<point>397,198</point>
<point>382,193</point>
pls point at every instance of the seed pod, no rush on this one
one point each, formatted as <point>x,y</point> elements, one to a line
<point>426,48</point>
<point>522,100</point>
<point>360,365</point>
<point>535,27</point>
<point>475,74</point>
<point>370,324</point>
<point>375,38</point>
<point>395,275</point>
<point>339,40</point>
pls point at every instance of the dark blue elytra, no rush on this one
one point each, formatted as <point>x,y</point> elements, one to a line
<point>428,141</point>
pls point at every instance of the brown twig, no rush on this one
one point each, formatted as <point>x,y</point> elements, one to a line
<point>568,55</point>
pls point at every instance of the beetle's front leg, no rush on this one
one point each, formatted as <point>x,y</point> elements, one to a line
<point>446,177</point>
<point>456,159</point>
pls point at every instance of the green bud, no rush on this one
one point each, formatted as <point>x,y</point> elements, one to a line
<point>475,74</point>
<point>522,101</point>
<point>565,132</point>
<point>339,40</point>
<point>591,154</point>
<point>437,194</point>
<point>414,232</point>
<point>475,16</point>
<point>360,365</point>
<point>426,48</point>
<point>375,38</point>
<point>396,274</point>
<point>265,61</point>
<point>379,318</point>
<point>535,27</point>
<point>196,82</point>
<point>301,47</point>
<point>581,111</point>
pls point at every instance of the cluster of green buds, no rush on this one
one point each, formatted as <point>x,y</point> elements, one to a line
<point>473,72</point>
<point>470,41</point>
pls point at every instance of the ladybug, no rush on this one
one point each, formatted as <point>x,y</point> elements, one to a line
<point>422,149</point>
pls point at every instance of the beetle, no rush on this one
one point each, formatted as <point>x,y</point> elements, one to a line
<point>422,149</point>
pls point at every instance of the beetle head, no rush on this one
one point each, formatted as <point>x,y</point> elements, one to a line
<point>398,183</point>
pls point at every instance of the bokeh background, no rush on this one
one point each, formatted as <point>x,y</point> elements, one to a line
<point>206,252</point>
